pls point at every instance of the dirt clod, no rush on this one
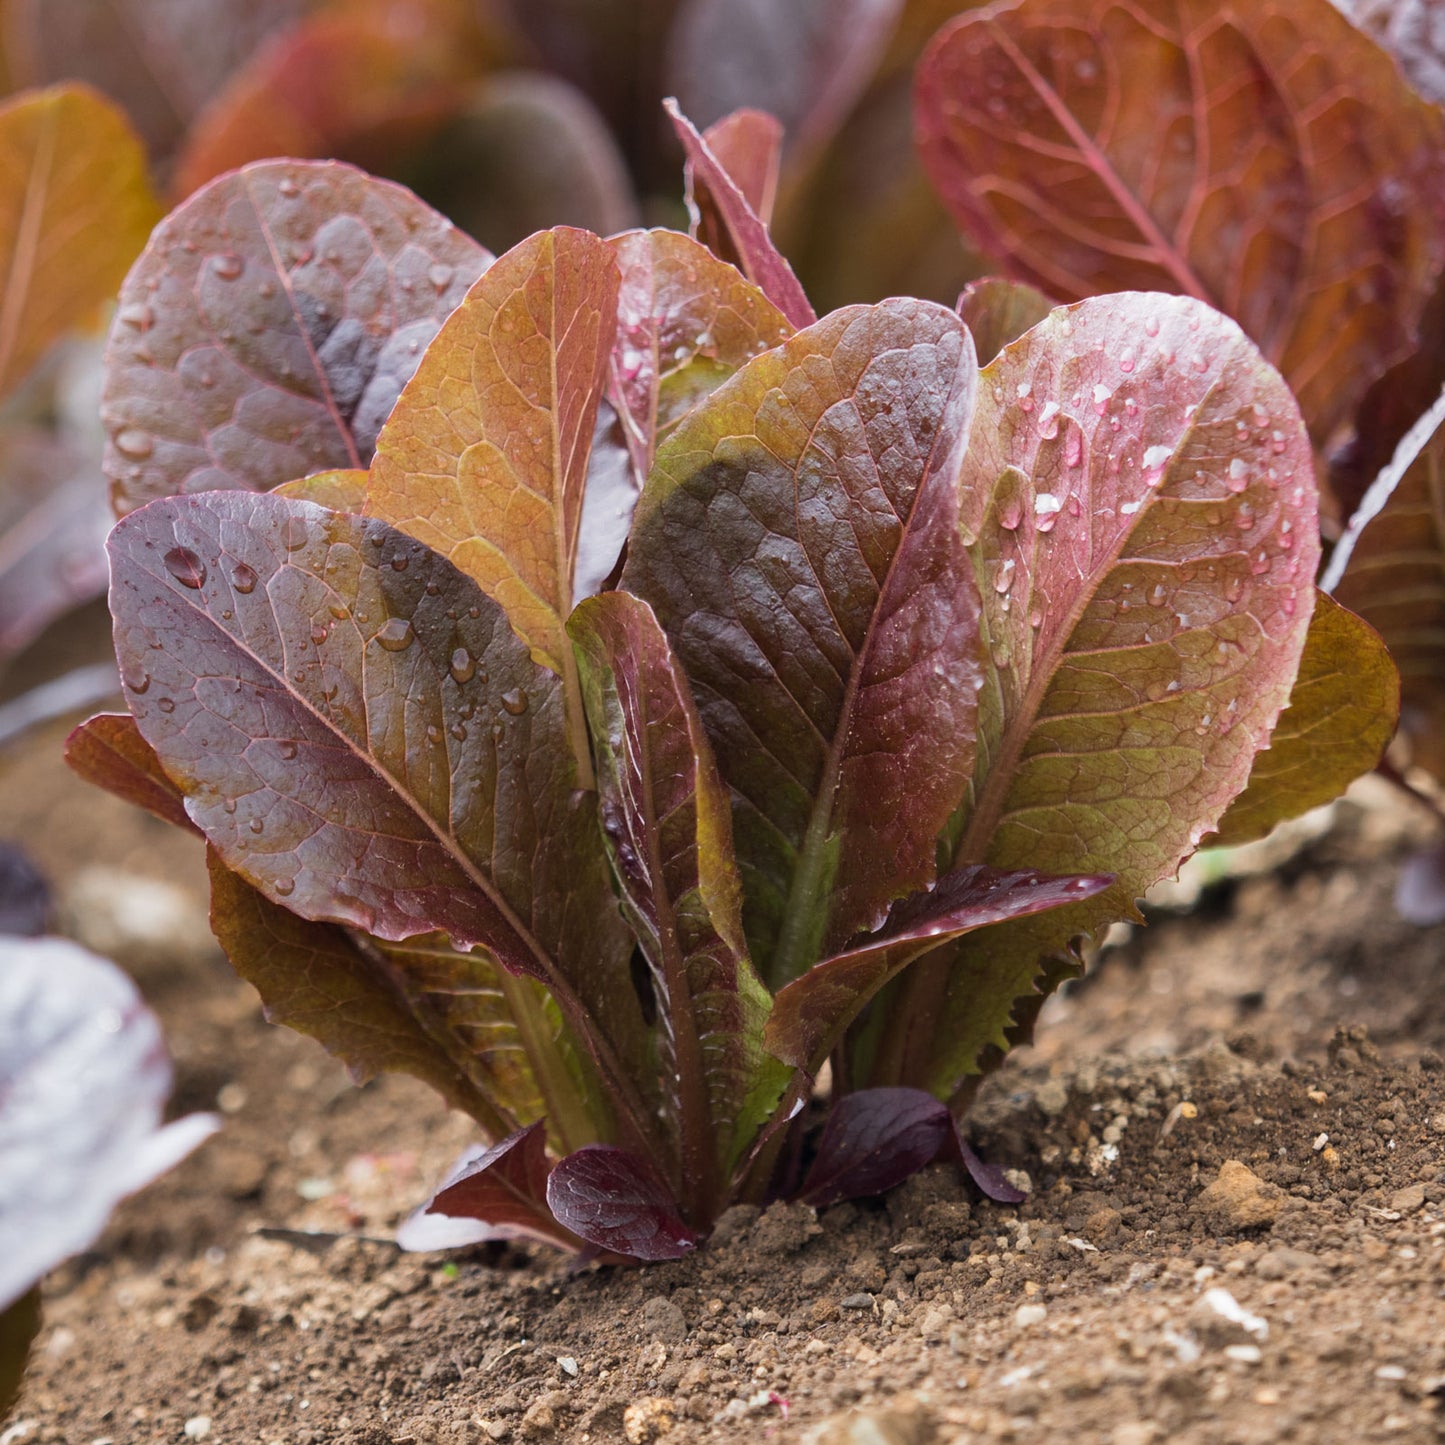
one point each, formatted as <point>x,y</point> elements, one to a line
<point>1239,1199</point>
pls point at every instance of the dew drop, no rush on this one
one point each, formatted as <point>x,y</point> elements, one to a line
<point>1036,618</point>
<point>289,189</point>
<point>338,612</point>
<point>433,589</point>
<point>1049,420</point>
<point>185,567</point>
<point>137,315</point>
<point>1003,578</point>
<point>243,578</point>
<point>166,705</point>
<point>1237,478</point>
<point>1259,563</point>
<point>458,732</point>
<point>1277,442</point>
<point>1026,401</point>
<point>440,275</point>
<point>286,748</point>
<point>1233,589</point>
<point>227,266</point>
<point>1102,397</point>
<point>134,443</point>
<point>515,701</point>
<point>398,564</point>
<point>463,668</point>
<point>1151,326</point>
<point>295,536</point>
<point>433,734</point>
<point>396,634</point>
<point>1074,448</point>
<point>1046,504</point>
<point>256,825</point>
<point>284,887</point>
<point>1158,595</point>
<point>1126,361</point>
<point>229,805</point>
<point>136,680</point>
<point>1000,655</point>
<point>319,633</point>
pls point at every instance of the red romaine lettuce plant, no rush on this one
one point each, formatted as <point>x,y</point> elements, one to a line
<point>676,693</point>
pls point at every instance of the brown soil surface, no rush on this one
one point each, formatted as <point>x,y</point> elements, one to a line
<point>1234,1130</point>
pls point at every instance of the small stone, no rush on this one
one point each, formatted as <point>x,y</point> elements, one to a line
<point>1027,1315</point>
<point>496,1429</point>
<point>568,1365</point>
<point>859,1301</point>
<point>1052,1097</point>
<point>1244,1354</point>
<point>197,1427</point>
<point>1408,1199</point>
<point>660,1319</point>
<point>1103,1224</point>
<point>647,1419</point>
<point>540,1419</point>
<point>1280,1263</point>
<point>1239,1199</point>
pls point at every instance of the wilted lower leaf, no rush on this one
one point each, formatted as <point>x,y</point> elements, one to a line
<point>1341,714</point>
<point>873,1140</point>
<point>1140,497</point>
<point>1266,159</point>
<point>666,816</point>
<point>723,217</point>
<point>485,459</point>
<point>75,208</point>
<point>503,1189</point>
<point>686,322</point>
<point>350,717</point>
<point>618,1202</point>
<point>83,1080</point>
<point>810,501</point>
<point>270,325</point>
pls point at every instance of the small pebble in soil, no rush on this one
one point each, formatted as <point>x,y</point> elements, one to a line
<point>1027,1315</point>
<point>1239,1199</point>
<point>198,1427</point>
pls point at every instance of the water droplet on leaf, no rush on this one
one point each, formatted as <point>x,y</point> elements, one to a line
<point>134,443</point>
<point>185,567</point>
<point>515,701</point>
<point>396,634</point>
<point>227,266</point>
<point>463,668</point>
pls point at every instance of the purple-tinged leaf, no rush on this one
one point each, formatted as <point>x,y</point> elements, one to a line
<point>1140,506</point>
<point>270,325</point>
<point>810,1014</point>
<point>1341,715</point>
<point>485,459</point>
<point>1263,158</point>
<point>666,817</point>
<point>83,1081</point>
<point>502,1189</point>
<point>805,62</point>
<point>618,1202</point>
<point>109,751</point>
<point>349,717</point>
<point>686,322</point>
<point>748,145</point>
<point>457,1021</point>
<point>811,500</point>
<point>53,521</point>
<point>998,312</point>
<point>24,894</point>
<point>873,1140</point>
<point>740,235</point>
<point>989,1177</point>
<point>341,491</point>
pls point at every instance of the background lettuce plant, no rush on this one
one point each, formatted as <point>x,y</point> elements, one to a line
<point>649,694</point>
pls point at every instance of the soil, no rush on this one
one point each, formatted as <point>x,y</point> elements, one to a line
<point>1233,1131</point>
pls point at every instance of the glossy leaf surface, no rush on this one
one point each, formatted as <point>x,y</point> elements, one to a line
<point>810,501</point>
<point>618,1202</point>
<point>873,1140</point>
<point>486,457</point>
<point>721,213</point>
<point>269,326</point>
<point>83,1081</point>
<point>748,145</point>
<point>1140,501</point>
<point>350,717</point>
<point>1341,715</point>
<point>109,751</point>
<point>504,1189</point>
<point>810,1014</point>
<point>686,322</point>
<point>1395,580</point>
<point>76,206</point>
<point>1264,158</point>
<point>666,816</point>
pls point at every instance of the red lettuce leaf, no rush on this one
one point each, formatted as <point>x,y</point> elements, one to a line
<point>722,215</point>
<point>109,751</point>
<point>686,322</point>
<point>811,501</point>
<point>748,145</point>
<point>810,1014</point>
<point>1141,513</point>
<point>349,717</point>
<point>873,1140</point>
<point>998,312</point>
<point>665,814</point>
<point>503,1188</point>
<point>268,327</point>
<point>83,1081</point>
<point>1266,159</point>
<point>618,1202</point>
<point>485,459</point>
